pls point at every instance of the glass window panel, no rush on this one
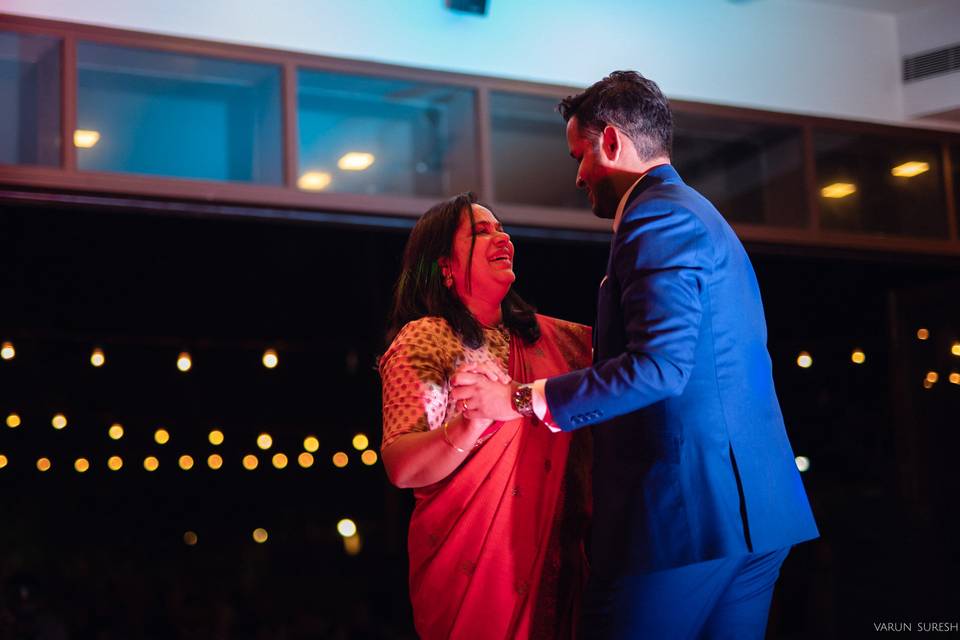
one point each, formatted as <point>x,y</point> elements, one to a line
<point>752,172</point>
<point>382,136</point>
<point>170,114</point>
<point>29,99</point>
<point>859,191</point>
<point>531,162</point>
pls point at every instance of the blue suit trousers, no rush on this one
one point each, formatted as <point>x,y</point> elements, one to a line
<point>720,599</point>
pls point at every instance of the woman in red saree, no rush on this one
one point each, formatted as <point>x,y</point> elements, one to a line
<point>496,536</point>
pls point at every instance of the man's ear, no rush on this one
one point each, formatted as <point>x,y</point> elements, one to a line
<point>610,143</point>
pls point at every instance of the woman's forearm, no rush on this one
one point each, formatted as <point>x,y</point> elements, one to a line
<point>425,457</point>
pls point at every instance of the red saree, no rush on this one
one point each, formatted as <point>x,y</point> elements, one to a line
<point>496,549</point>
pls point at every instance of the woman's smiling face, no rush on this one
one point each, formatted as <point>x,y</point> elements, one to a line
<point>489,274</point>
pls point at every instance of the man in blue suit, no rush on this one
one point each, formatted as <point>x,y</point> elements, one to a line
<point>697,498</point>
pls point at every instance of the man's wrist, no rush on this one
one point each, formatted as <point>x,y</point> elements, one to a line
<point>521,398</point>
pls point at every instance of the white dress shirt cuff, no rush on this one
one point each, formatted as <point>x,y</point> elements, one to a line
<point>539,400</point>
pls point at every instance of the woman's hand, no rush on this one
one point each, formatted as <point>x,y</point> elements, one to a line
<point>483,391</point>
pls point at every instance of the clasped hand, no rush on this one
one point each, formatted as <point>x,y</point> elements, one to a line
<point>483,391</point>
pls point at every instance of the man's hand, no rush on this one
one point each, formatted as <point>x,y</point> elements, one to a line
<point>483,391</point>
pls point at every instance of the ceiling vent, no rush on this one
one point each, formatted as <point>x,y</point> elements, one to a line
<point>932,63</point>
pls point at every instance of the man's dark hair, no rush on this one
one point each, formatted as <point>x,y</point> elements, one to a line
<point>420,291</point>
<point>629,102</point>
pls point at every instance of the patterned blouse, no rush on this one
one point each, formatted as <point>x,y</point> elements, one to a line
<point>417,368</point>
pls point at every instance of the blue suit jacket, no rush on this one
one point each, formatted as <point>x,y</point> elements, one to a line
<point>691,458</point>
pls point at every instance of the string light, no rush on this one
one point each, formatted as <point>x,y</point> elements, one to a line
<point>264,441</point>
<point>59,421</point>
<point>340,459</point>
<point>81,465</point>
<point>214,461</point>
<point>3,461</point>
<point>804,360</point>
<point>115,431</point>
<point>7,352</point>
<point>955,349</point>
<point>311,444</point>
<point>13,421</point>
<point>305,460</point>
<point>954,378</point>
<point>190,538</point>
<point>260,535</point>
<point>858,356</point>
<point>932,377</point>
<point>369,457</point>
<point>347,528</point>
<point>43,464</point>
<point>923,334</point>
<point>186,462</point>
<point>150,463</point>
<point>270,359</point>
<point>360,442</point>
<point>279,461</point>
<point>250,462</point>
<point>115,463</point>
<point>184,361</point>
<point>97,358</point>
<point>161,436</point>
<point>215,437</point>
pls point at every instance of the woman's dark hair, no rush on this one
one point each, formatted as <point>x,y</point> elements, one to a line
<point>631,103</point>
<point>420,290</point>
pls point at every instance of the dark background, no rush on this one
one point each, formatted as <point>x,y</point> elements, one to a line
<point>101,554</point>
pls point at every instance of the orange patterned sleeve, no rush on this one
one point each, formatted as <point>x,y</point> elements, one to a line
<point>414,372</point>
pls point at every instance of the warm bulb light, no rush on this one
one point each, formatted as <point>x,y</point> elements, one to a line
<point>85,138</point>
<point>314,181</point>
<point>59,421</point>
<point>115,431</point>
<point>260,535</point>
<point>280,461</point>
<point>355,161</point>
<point>360,442</point>
<point>347,528</point>
<point>923,334</point>
<point>858,356</point>
<point>185,462</point>
<point>115,463</point>
<point>270,358</point>
<point>184,362</point>
<point>340,459</point>
<point>3,461</point>
<point>214,461</point>
<point>7,352</point>
<point>150,463</point>
<point>250,462</point>
<point>13,421</point>
<point>264,441</point>
<point>804,360</point>
<point>954,378</point>
<point>305,460</point>
<point>161,436</point>
<point>81,465</point>
<point>932,377</point>
<point>955,349</point>
<point>190,538</point>
<point>43,464</point>
<point>369,457</point>
<point>97,358</point>
<point>311,444</point>
<point>215,437</point>
<point>838,190</point>
<point>910,169</point>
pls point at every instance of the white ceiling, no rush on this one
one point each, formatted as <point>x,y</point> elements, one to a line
<point>884,6</point>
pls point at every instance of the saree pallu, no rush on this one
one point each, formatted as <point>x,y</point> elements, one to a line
<point>496,549</point>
